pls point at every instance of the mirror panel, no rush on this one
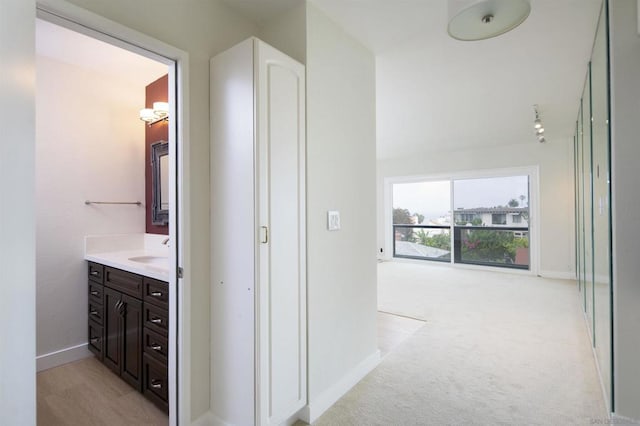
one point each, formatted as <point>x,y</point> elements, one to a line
<point>580,208</point>
<point>160,183</point>
<point>164,182</point>
<point>601,210</point>
<point>587,205</point>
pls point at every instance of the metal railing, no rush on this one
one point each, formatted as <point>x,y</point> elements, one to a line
<point>427,243</point>
<point>501,246</point>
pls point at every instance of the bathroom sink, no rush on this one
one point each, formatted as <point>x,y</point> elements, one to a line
<point>151,260</point>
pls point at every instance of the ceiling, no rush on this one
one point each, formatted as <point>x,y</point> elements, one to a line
<point>61,44</point>
<point>435,93</point>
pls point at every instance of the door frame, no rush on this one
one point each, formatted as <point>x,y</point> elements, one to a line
<point>67,15</point>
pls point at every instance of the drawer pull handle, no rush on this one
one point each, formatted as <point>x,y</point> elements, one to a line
<point>95,293</point>
<point>156,384</point>
<point>95,340</point>
<point>95,273</point>
<point>156,320</point>
<point>156,347</point>
<point>156,294</point>
<point>95,313</point>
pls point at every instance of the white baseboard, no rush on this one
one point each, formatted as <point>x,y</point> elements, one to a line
<point>324,401</point>
<point>558,275</point>
<point>63,356</point>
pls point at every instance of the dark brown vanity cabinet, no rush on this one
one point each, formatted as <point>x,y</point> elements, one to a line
<point>128,328</point>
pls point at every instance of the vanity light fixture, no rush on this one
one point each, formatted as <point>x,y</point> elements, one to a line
<point>537,126</point>
<point>471,20</point>
<point>159,112</point>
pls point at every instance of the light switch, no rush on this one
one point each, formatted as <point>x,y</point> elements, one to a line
<point>333,220</point>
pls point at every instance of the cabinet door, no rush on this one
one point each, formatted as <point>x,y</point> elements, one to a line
<point>131,368</point>
<point>281,287</point>
<point>112,325</point>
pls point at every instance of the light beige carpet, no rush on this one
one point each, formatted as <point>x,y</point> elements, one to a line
<point>497,349</point>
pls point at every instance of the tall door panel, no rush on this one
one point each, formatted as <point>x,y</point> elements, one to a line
<point>587,201</point>
<point>601,210</point>
<point>282,286</point>
<point>580,209</point>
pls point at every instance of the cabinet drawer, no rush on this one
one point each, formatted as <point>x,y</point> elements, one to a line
<point>156,292</point>
<point>96,293</point>
<point>96,272</point>
<point>123,281</point>
<point>155,345</point>
<point>96,312</point>
<point>96,338</point>
<point>155,383</point>
<point>156,319</point>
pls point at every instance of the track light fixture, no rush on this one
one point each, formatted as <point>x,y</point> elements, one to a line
<point>537,126</point>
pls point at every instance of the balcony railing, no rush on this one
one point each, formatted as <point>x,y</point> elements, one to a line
<point>501,246</point>
<point>428,242</point>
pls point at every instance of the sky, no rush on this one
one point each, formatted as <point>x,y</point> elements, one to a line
<point>432,199</point>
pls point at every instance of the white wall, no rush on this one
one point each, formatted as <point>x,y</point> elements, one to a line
<point>555,161</point>
<point>89,146</point>
<point>625,114</point>
<point>17,221</point>
<point>202,29</point>
<point>340,176</point>
<point>287,32</point>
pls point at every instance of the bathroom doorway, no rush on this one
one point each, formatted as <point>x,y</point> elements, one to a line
<point>91,150</point>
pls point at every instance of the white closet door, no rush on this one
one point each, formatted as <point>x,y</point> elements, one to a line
<point>282,277</point>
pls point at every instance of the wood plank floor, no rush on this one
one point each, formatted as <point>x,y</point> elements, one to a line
<point>86,392</point>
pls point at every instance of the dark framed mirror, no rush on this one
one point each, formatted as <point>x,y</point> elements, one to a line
<point>160,183</point>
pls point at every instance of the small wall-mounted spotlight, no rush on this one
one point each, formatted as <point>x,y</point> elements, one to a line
<point>538,127</point>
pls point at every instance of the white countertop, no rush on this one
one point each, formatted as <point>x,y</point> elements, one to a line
<point>116,251</point>
<point>120,260</point>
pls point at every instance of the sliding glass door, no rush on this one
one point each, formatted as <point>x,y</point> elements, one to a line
<point>480,221</point>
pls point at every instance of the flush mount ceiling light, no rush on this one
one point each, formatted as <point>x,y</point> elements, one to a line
<point>160,111</point>
<point>481,19</point>
<point>537,126</point>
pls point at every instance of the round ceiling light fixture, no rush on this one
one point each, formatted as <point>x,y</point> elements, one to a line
<point>471,20</point>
